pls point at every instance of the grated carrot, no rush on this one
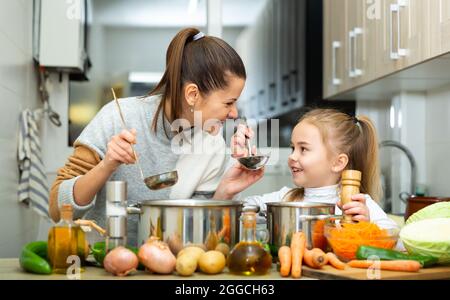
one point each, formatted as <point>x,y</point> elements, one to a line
<point>345,240</point>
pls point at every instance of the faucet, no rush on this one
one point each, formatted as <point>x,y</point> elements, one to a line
<point>388,143</point>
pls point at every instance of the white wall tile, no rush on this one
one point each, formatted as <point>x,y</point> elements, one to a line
<point>14,20</point>
<point>9,114</point>
<point>18,223</point>
<point>13,66</point>
<point>438,169</point>
<point>438,116</point>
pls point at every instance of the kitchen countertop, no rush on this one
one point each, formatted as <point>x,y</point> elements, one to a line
<point>10,269</point>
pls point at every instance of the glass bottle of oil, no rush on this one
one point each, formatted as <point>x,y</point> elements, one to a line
<point>65,239</point>
<point>249,257</point>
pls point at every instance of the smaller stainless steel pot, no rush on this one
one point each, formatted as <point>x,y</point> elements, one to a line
<point>285,218</point>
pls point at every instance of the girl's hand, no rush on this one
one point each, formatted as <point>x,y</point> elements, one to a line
<point>119,150</point>
<point>357,208</point>
<point>239,143</point>
<point>235,180</point>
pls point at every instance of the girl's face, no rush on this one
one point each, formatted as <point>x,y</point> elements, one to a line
<point>310,162</point>
<point>219,105</point>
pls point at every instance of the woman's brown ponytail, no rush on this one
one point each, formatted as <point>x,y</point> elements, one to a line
<point>206,62</point>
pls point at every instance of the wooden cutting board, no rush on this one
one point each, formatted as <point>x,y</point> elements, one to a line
<point>328,272</point>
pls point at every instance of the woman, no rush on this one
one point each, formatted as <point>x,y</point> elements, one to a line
<point>203,79</point>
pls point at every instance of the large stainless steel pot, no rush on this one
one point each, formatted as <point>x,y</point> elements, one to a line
<point>285,218</point>
<point>183,222</point>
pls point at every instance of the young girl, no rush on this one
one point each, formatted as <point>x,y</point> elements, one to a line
<point>324,143</point>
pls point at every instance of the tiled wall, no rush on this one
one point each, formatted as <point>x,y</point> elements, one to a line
<point>425,130</point>
<point>438,141</point>
<point>18,224</point>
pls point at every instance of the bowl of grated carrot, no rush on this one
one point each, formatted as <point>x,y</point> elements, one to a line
<point>345,238</point>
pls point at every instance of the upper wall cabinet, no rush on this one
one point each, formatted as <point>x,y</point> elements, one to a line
<point>368,40</point>
<point>273,54</point>
<point>439,16</point>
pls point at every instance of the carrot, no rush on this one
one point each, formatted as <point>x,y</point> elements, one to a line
<point>285,257</point>
<point>334,261</point>
<point>390,265</point>
<point>346,239</point>
<point>224,233</point>
<point>318,238</point>
<point>315,258</point>
<point>298,245</point>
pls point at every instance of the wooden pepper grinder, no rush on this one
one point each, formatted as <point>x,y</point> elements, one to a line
<point>350,183</point>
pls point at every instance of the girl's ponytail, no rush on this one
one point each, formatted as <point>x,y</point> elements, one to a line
<point>364,157</point>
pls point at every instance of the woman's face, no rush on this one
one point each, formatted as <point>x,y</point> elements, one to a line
<point>220,105</point>
<point>310,162</point>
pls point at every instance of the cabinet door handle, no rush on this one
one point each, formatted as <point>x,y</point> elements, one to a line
<point>393,9</point>
<point>335,80</point>
<point>356,31</point>
<point>351,37</point>
<point>400,4</point>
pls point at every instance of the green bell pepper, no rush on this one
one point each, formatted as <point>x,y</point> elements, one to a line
<point>33,258</point>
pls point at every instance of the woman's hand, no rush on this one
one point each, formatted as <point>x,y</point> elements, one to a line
<point>357,208</point>
<point>119,150</point>
<point>239,143</point>
<point>235,180</point>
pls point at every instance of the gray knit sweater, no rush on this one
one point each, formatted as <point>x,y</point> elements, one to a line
<point>199,172</point>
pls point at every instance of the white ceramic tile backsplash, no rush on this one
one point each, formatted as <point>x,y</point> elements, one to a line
<point>425,130</point>
<point>438,169</point>
<point>438,116</point>
<point>438,141</point>
<point>18,224</point>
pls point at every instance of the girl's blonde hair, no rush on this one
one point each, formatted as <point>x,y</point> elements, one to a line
<point>354,136</point>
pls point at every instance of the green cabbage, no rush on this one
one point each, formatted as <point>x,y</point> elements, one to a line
<point>429,237</point>
<point>437,210</point>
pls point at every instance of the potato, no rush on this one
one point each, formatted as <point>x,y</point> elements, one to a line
<point>186,264</point>
<point>212,262</point>
<point>224,248</point>
<point>202,246</point>
<point>193,251</point>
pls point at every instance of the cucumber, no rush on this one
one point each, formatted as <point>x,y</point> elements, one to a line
<point>33,258</point>
<point>364,252</point>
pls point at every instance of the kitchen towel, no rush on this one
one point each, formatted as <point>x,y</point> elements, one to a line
<point>33,188</point>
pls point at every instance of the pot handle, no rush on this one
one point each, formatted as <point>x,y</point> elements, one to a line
<point>307,218</point>
<point>134,209</point>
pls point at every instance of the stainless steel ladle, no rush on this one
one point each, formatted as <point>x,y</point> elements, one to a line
<point>252,162</point>
<point>154,182</point>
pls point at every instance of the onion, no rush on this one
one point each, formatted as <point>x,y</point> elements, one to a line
<point>157,257</point>
<point>120,261</point>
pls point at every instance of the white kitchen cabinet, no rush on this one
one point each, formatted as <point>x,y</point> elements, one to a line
<point>404,35</point>
<point>381,38</point>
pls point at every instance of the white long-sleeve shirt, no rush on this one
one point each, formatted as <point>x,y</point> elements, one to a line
<point>327,194</point>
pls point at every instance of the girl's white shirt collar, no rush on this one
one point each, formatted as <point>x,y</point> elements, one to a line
<point>326,194</point>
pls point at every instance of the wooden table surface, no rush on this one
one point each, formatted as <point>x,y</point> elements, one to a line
<point>10,269</point>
